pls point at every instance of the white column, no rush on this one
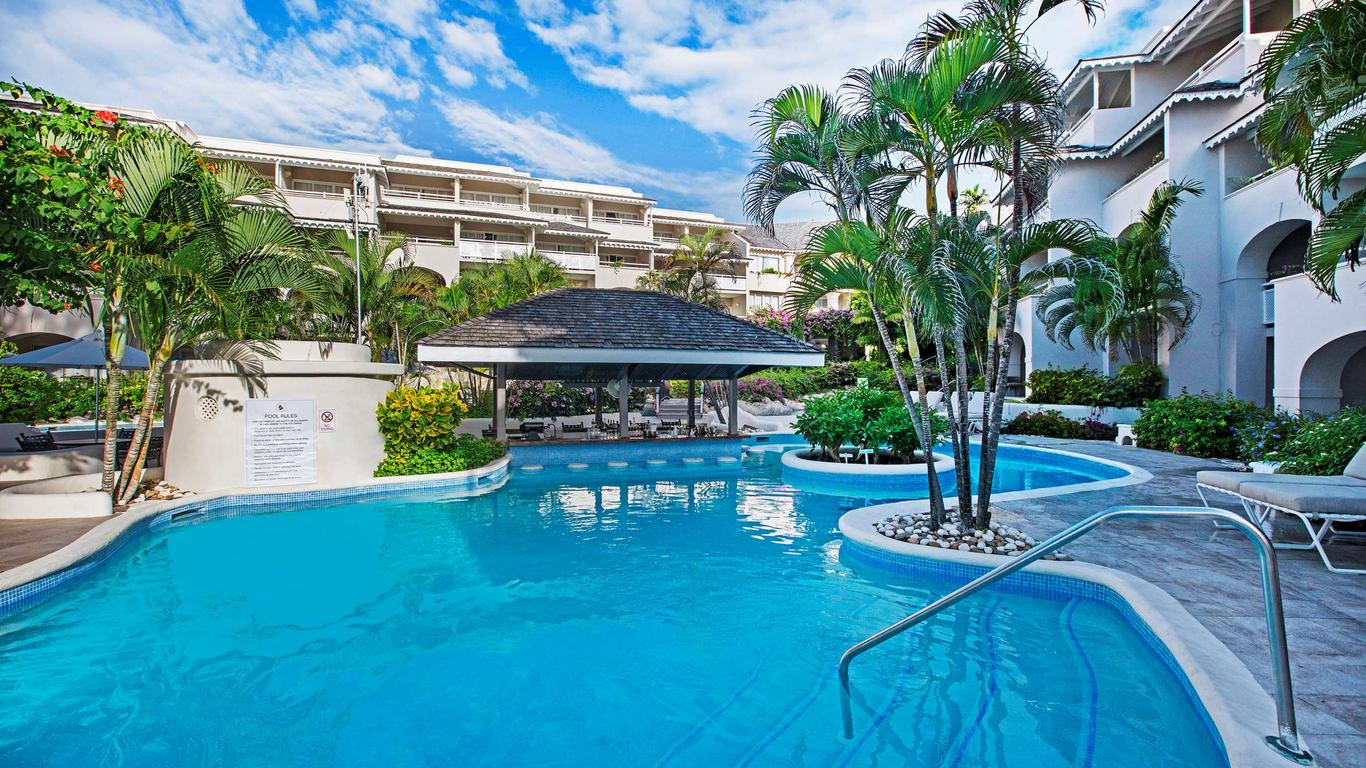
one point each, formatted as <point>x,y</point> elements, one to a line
<point>526,198</point>
<point>588,210</point>
<point>500,402</point>
<point>279,176</point>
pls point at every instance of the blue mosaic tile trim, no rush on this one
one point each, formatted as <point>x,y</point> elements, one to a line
<point>1028,583</point>
<point>637,451</point>
<point>24,596</point>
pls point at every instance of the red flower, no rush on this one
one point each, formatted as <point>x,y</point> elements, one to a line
<point>107,117</point>
<point>58,151</point>
<point>94,266</point>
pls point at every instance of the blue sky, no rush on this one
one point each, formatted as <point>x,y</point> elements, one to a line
<point>651,94</point>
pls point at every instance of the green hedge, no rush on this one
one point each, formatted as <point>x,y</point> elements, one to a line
<point>419,424</point>
<point>1134,385</point>
<point>1053,424</point>
<point>862,417</point>
<point>1204,425</point>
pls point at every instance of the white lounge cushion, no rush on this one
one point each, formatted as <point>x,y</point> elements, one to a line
<point>1310,499</point>
<point>1232,481</point>
<point>1357,466</point>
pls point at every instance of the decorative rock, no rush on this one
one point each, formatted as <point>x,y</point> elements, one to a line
<point>963,548</point>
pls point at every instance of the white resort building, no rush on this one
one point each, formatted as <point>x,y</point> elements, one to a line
<point>1185,107</point>
<point>463,215</point>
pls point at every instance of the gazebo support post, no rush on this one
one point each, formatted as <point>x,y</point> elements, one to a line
<point>624,407</point>
<point>500,402</point>
<point>733,417</point>
<point>597,407</point>
<point>692,404</point>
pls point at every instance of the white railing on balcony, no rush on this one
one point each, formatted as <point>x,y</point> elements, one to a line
<point>492,203</point>
<point>569,217</point>
<point>420,194</point>
<point>617,219</point>
<point>582,262</point>
<point>315,193</point>
<point>428,240</point>
<point>1269,306</point>
<point>491,250</point>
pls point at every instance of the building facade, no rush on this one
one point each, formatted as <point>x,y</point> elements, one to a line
<point>462,215</point>
<point>1186,107</point>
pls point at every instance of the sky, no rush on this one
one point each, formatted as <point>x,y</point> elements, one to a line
<point>656,95</point>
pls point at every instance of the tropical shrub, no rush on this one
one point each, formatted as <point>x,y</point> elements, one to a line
<point>756,389</point>
<point>780,320</point>
<point>1134,385</point>
<point>1261,437</point>
<point>1052,423</point>
<point>1068,386</point>
<point>862,417</point>
<point>1323,446</point>
<point>413,418</point>
<point>1202,425</point>
<point>831,324</point>
<point>34,397</point>
<point>465,452</point>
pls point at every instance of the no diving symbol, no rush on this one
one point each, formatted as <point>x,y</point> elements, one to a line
<point>327,417</point>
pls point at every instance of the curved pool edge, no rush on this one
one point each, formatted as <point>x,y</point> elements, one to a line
<point>23,586</point>
<point>1240,711</point>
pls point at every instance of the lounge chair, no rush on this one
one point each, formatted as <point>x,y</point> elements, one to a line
<point>1320,503</point>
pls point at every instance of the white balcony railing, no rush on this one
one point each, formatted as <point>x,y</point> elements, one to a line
<point>314,193</point>
<point>571,260</point>
<point>491,250</point>
<point>492,204</point>
<point>618,219</point>
<point>420,194</point>
<point>572,218</point>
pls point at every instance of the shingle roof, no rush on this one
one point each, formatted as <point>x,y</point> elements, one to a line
<point>615,318</point>
<point>1217,85</point>
<point>758,238</point>
<point>567,228</point>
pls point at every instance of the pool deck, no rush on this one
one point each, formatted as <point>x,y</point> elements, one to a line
<point>1214,575</point>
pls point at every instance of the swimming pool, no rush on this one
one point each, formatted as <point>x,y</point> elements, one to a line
<point>639,617</point>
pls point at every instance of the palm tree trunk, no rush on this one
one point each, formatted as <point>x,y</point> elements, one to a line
<point>964,478</point>
<point>991,433</point>
<point>134,463</point>
<point>923,421</point>
<point>113,357</point>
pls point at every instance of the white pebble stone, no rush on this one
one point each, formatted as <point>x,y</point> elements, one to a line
<point>963,548</point>
<point>988,550</point>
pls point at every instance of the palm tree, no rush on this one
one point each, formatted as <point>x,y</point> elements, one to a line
<point>689,272</point>
<point>479,291</point>
<point>388,281</point>
<point>1315,119</point>
<point>1139,298</point>
<point>892,265</point>
<point>216,285</point>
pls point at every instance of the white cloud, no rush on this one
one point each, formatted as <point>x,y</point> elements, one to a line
<point>407,16</point>
<point>709,64</point>
<point>540,143</point>
<point>206,73</point>
<point>302,9</point>
<point>470,42</point>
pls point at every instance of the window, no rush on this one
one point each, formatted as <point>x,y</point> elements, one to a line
<point>767,264</point>
<point>769,300</point>
<point>555,210</point>
<point>320,187</point>
<point>495,237</point>
<point>491,197</point>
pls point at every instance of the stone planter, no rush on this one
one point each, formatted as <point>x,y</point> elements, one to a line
<point>859,479</point>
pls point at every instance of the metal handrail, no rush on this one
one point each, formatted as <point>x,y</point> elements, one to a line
<point>1287,743</point>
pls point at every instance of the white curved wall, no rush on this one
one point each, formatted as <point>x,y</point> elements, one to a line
<point>204,454</point>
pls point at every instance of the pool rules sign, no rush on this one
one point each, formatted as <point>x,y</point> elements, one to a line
<point>281,447</point>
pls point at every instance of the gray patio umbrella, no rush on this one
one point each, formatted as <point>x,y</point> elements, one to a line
<point>87,353</point>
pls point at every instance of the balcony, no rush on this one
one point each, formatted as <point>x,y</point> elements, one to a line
<point>572,218</point>
<point>616,219</point>
<point>491,250</point>
<point>469,199</point>
<point>574,261</point>
<point>768,282</point>
<point>308,204</point>
<point>415,196</point>
<point>440,256</point>
<point>729,283</point>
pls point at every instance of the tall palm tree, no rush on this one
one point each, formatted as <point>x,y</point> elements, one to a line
<point>216,285</point>
<point>1139,298</point>
<point>388,282</point>
<point>479,291</point>
<point>891,264</point>
<point>1315,119</point>
<point>689,273</point>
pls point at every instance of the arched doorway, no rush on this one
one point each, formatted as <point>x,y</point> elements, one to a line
<point>1335,375</point>
<point>1248,310</point>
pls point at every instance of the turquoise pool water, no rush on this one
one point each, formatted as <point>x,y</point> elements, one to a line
<point>637,617</point>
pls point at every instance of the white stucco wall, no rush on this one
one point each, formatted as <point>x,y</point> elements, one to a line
<point>1315,339</point>
<point>204,454</point>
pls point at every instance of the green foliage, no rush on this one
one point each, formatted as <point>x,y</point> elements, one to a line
<point>1323,446</point>
<point>465,452</point>
<point>57,194</point>
<point>1203,425</point>
<point>1134,385</point>
<point>863,417</point>
<point>413,418</point>
<point>34,397</point>
<point>1068,386</point>
<point>1052,423</point>
<point>1260,438</point>
<point>800,382</point>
